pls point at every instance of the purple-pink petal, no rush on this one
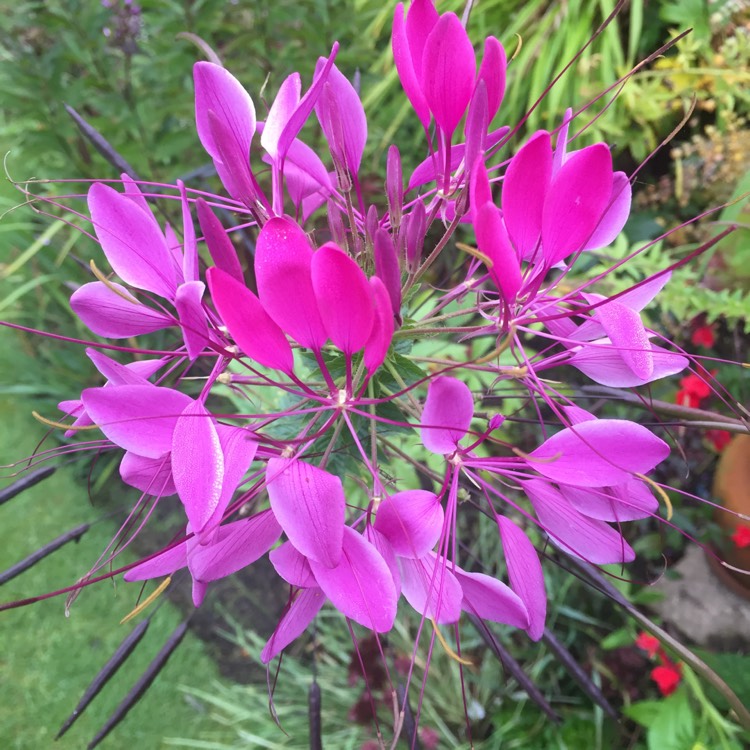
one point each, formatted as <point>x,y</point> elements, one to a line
<point>625,502</point>
<point>361,585</point>
<point>251,327</point>
<point>430,588</point>
<point>132,241</point>
<point>189,304</point>
<point>627,333</point>
<point>218,91</point>
<point>339,99</point>
<point>236,546</point>
<point>387,268</point>
<point>309,504</point>
<point>599,453</point>
<point>448,71</point>
<point>197,464</point>
<point>525,190</point>
<point>492,600</point>
<point>112,315</point>
<point>447,414</point>
<point>292,566</point>
<point>591,540</point>
<point>615,215</point>
<point>377,345</point>
<point>163,564</point>
<point>283,259</point>
<point>525,574</point>
<point>344,298</point>
<point>282,109</point>
<point>305,605</point>
<point>219,245</point>
<point>578,197</point>
<point>603,363</point>
<point>138,418</point>
<point>493,241</point>
<point>150,475</point>
<point>407,68</point>
<point>492,72</point>
<point>412,521</point>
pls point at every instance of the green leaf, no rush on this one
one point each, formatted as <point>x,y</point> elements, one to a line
<point>674,727</point>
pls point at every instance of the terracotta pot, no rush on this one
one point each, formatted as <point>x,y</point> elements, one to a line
<point>732,490</point>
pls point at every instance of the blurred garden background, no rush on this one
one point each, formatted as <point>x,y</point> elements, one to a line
<point>125,69</point>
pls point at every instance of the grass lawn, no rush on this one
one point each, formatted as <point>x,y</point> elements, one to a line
<point>46,659</point>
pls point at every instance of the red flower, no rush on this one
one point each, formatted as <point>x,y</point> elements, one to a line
<point>703,336</point>
<point>719,439</point>
<point>696,386</point>
<point>685,398</point>
<point>648,643</point>
<point>741,537</point>
<point>667,677</point>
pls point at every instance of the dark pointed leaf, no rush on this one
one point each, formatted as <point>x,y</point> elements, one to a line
<point>116,660</point>
<point>26,481</point>
<point>143,684</point>
<point>42,552</point>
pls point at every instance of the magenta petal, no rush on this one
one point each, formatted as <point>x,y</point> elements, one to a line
<point>237,545</point>
<point>580,536</point>
<point>218,91</point>
<point>344,298</point>
<point>190,270</point>
<point>603,363</point>
<point>286,101</point>
<point>387,268</point>
<point>133,191</point>
<point>447,414</point>
<point>310,506</point>
<point>638,297</point>
<point>304,172</point>
<point>578,197</point>
<point>383,546</point>
<point>492,600</point>
<point>493,241</point>
<point>253,330</point>
<point>340,100</point>
<point>448,70</point>
<point>525,190</point>
<point>599,453</point>
<point>138,418</point>
<point>625,330</point>
<point>197,464</point>
<point>188,302</point>
<point>239,448</point>
<point>292,566</point>
<point>361,585</point>
<point>150,475</point>
<point>480,191</point>
<point>306,104</point>
<point>219,245</point>
<point>132,241</point>
<point>430,588</point>
<point>376,347</point>
<point>163,564</point>
<point>626,502</point>
<point>283,257</point>
<point>420,21</point>
<point>232,165</point>
<point>492,72</point>
<point>306,605</point>
<point>116,373</point>
<point>615,215</point>
<point>412,521</point>
<point>525,574</point>
<point>407,68</point>
<point>112,315</point>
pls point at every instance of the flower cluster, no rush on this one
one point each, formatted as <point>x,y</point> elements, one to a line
<point>344,413</point>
